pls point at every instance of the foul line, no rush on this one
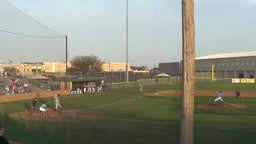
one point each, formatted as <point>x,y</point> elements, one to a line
<point>230,127</point>
<point>109,104</point>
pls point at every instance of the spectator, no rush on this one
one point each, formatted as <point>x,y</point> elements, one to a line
<point>3,140</point>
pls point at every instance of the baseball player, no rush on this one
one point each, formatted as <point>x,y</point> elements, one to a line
<point>141,88</point>
<point>238,95</point>
<point>33,105</point>
<point>220,96</point>
<point>57,103</point>
<point>43,108</point>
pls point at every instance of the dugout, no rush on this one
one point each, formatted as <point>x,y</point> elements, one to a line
<point>88,84</point>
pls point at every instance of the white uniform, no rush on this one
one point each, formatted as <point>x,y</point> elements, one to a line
<point>57,102</point>
<point>141,88</point>
<point>43,109</point>
<point>220,95</point>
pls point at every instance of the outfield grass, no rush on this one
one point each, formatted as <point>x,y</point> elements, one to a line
<point>131,118</point>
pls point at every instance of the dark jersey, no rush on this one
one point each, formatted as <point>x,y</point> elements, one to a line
<point>3,140</point>
<point>34,102</point>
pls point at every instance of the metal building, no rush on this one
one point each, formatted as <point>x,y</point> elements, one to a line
<point>172,68</point>
<point>227,65</point>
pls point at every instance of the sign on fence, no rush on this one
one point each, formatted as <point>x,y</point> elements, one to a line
<point>237,80</point>
<point>247,80</point>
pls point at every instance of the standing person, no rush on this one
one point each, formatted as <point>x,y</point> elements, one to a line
<point>57,102</point>
<point>238,95</point>
<point>33,105</point>
<point>3,140</point>
<point>141,88</point>
<point>219,97</point>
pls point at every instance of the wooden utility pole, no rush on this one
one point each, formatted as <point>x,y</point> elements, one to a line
<point>188,54</point>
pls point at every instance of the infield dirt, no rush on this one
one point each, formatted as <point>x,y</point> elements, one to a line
<point>213,94</point>
<point>85,114</point>
<point>66,115</point>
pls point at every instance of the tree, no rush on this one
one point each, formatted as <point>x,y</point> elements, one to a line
<point>139,68</point>
<point>86,64</point>
<point>11,70</point>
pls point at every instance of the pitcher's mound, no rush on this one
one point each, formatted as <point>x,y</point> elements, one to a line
<point>221,106</point>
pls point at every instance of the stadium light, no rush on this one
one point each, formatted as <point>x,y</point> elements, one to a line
<point>127,71</point>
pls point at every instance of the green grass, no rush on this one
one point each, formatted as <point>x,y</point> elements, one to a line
<point>131,118</point>
<point>226,86</point>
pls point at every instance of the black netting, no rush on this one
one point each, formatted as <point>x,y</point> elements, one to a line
<point>24,39</point>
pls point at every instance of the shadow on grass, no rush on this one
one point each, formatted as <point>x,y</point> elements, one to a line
<point>13,129</point>
<point>224,113</point>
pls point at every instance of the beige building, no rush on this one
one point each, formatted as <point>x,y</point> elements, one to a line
<point>35,68</point>
<point>29,69</point>
<point>56,67</point>
<point>115,67</point>
<point>23,68</point>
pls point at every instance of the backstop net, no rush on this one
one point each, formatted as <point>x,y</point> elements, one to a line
<point>24,39</point>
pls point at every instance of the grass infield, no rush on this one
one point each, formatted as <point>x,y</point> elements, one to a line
<point>129,117</point>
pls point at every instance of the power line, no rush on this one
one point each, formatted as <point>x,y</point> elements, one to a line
<point>17,10</point>
<point>34,36</point>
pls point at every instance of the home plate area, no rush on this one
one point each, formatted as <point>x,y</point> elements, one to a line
<point>66,115</point>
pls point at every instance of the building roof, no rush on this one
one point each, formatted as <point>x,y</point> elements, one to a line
<point>162,75</point>
<point>228,55</point>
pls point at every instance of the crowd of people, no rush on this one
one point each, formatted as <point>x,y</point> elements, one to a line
<point>11,84</point>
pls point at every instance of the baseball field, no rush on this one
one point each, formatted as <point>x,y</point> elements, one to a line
<point>126,116</point>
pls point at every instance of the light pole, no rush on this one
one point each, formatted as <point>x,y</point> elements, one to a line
<point>66,71</point>
<point>127,72</point>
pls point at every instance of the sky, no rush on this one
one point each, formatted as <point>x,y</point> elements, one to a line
<point>98,27</point>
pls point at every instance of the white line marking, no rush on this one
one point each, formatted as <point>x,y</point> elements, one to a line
<point>109,104</point>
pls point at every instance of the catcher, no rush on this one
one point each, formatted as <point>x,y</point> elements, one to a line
<point>43,108</point>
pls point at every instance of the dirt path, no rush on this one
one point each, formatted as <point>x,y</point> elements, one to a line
<point>66,115</point>
<point>85,114</point>
<point>221,106</point>
<point>202,93</point>
<point>177,93</point>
